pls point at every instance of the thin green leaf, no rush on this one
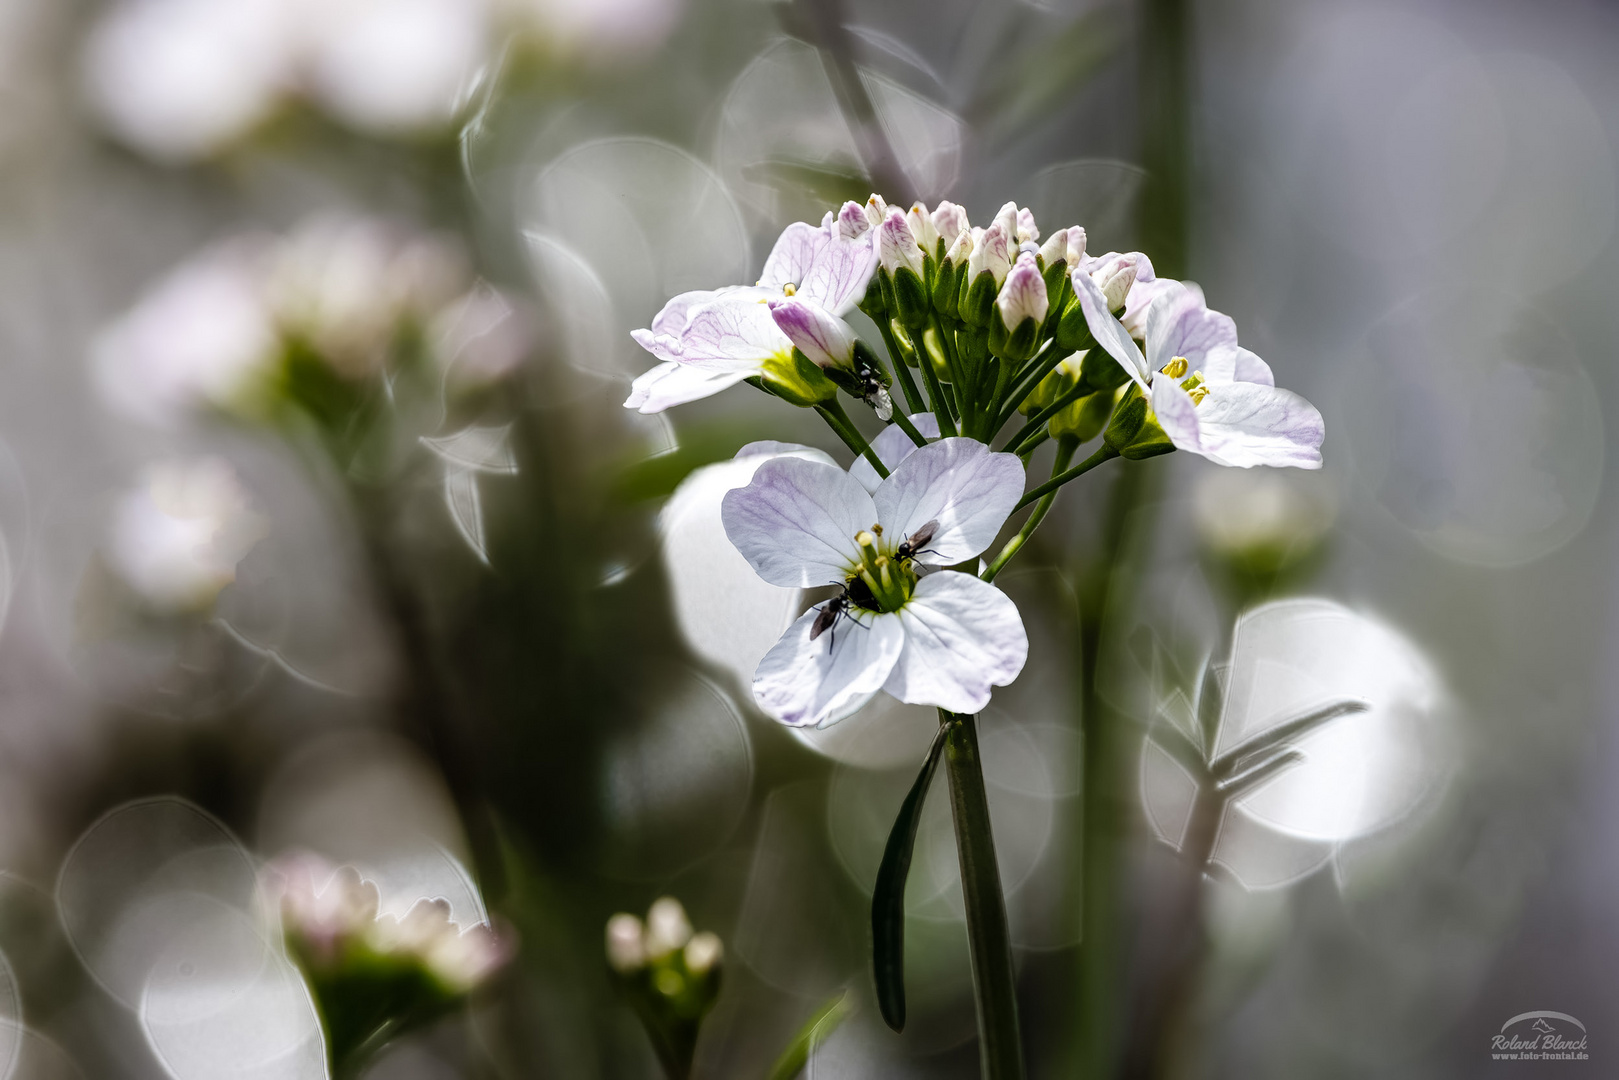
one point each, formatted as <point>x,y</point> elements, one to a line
<point>1238,757</point>
<point>821,1024</point>
<point>1250,778</point>
<point>888,898</point>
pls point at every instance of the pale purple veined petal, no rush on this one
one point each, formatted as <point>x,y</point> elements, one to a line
<point>962,637</point>
<point>958,483</point>
<point>893,446</point>
<point>1179,324</point>
<point>1143,294</point>
<point>796,520</point>
<point>1237,365</point>
<point>802,683</point>
<point>1024,294</point>
<point>896,244</point>
<point>1241,424</point>
<point>795,252</point>
<point>820,335</point>
<point>673,317</point>
<point>842,269</point>
<point>733,330</point>
<point>671,383</point>
<point>1109,333</point>
<point>852,221</point>
<point>950,221</point>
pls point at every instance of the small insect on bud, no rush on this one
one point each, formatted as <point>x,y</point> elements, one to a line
<point>625,950</point>
<point>667,928</point>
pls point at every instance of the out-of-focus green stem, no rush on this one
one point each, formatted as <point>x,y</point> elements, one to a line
<point>1000,1045</point>
<point>838,420</point>
<point>902,370</point>
<point>1065,453</point>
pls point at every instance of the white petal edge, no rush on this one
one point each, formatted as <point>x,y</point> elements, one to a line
<point>795,522</point>
<point>893,446</point>
<point>672,383</point>
<point>962,637</point>
<point>804,683</point>
<point>1108,331</point>
<point>959,483</point>
<point>1242,424</point>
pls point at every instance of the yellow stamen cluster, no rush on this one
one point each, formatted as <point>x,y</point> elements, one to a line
<point>889,579</point>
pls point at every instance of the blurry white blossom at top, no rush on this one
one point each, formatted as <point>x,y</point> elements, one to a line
<point>178,535</point>
<point>182,80</point>
<point>351,290</point>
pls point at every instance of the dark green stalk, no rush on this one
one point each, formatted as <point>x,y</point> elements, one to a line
<point>1000,1046</point>
<point>1065,453</point>
<point>1103,453</point>
<point>902,370</point>
<point>1038,420</point>
<point>903,422</point>
<point>1027,379</point>
<point>943,409</point>
<point>838,420</point>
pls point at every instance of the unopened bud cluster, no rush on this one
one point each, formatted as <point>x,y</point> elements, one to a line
<point>669,974</point>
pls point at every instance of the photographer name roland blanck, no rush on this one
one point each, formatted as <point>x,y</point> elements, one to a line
<point>1540,1036</point>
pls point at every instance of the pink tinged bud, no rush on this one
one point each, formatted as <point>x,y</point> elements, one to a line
<point>1024,294</point>
<point>1114,277</point>
<point>1076,245</point>
<point>820,335</point>
<point>876,209</point>
<point>961,248</point>
<point>1026,231</point>
<point>852,222</point>
<point>991,252</point>
<point>922,227</point>
<point>1006,218</point>
<point>625,950</point>
<point>950,221</point>
<point>1055,249</point>
<point>896,246</point>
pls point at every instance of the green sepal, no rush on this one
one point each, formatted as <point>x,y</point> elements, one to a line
<point>1100,371</point>
<point>973,346</point>
<point>1061,291</point>
<point>1134,432</point>
<point>798,380</point>
<point>1017,344</point>
<point>946,288</point>
<point>935,353</point>
<point>874,303</point>
<point>977,303</point>
<point>1073,332</point>
<point>907,344</point>
<point>911,301</point>
<point>1085,418</point>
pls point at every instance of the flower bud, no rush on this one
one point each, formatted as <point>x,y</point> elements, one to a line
<point>991,251</point>
<point>1076,246</point>
<point>876,209</point>
<point>1055,249</point>
<point>1114,274</point>
<point>921,223</point>
<point>820,335</point>
<point>703,953</point>
<point>1006,218</point>
<point>625,949</point>
<point>950,221</point>
<point>852,221</point>
<point>1027,233</point>
<point>1023,296</point>
<point>1134,431</point>
<point>667,928</point>
<point>896,244</point>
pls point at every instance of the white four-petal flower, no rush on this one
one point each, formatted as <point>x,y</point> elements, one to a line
<point>1231,410</point>
<point>708,340</point>
<point>946,638</point>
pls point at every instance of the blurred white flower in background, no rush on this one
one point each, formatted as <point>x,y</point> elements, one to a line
<point>596,29</point>
<point>178,535</point>
<point>202,337</point>
<point>1238,513</point>
<point>343,284</point>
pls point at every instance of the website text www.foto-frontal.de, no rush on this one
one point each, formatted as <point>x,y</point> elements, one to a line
<point>1544,1047</point>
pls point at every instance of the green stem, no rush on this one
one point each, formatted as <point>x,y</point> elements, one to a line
<point>902,370</point>
<point>904,424</point>
<point>1038,420</point>
<point>1065,453</point>
<point>943,411</point>
<point>838,420</point>
<point>1029,378</point>
<point>1027,450</point>
<point>1103,453</point>
<point>1000,1046</point>
<point>960,377</point>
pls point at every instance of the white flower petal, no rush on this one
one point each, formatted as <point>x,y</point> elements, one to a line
<point>960,484</point>
<point>733,329</point>
<point>795,252</point>
<point>796,521</point>
<point>1241,424</point>
<point>1109,333</point>
<point>673,317</point>
<point>672,383</point>
<point>772,448</point>
<point>842,269</point>
<point>1178,324</point>
<point>892,446</point>
<point>814,683</point>
<point>962,637</point>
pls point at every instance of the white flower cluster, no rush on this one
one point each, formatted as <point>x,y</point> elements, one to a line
<point>213,332</point>
<point>181,80</point>
<point>331,915</point>
<point>633,944</point>
<point>178,535</point>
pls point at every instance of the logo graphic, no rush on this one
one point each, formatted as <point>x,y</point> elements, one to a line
<point>1541,1035</point>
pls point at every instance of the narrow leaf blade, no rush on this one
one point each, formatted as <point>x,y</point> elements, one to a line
<point>888,898</point>
<point>821,1024</point>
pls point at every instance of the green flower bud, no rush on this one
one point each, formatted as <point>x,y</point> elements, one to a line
<point>798,380</point>
<point>911,299</point>
<point>1134,432</point>
<point>976,303</point>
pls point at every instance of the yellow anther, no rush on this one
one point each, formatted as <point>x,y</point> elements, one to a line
<point>865,539</point>
<point>1176,367</point>
<point>790,289</point>
<point>1197,394</point>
